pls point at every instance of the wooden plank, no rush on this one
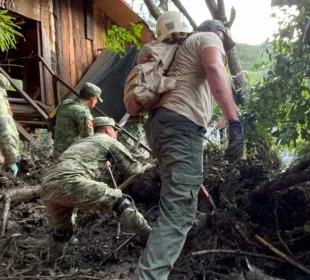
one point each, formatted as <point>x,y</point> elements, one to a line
<point>58,39</point>
<point>100,30</point>
<point>46,48</point>
<point>24,94</point>
<point>25,133</point>
<point>71,46</point>
<point>27,8</point>
<point>90,58</point>
<point>64,51</point>
<point>90,19</point>
<point>76,19</point>
<point>41,70</point>
<point>82,25</point>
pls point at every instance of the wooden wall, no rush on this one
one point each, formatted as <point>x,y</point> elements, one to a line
<point>70,35</point>
<point>72,53</point>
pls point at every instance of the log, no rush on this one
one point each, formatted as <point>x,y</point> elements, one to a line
<point>286,182</point>
<point>21,194</point>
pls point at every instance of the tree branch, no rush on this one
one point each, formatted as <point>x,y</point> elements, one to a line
<point>212,6</point>
<point>181,8</point>
<point>154,11</point>
<point>221,13</point>
<point>232,17</point>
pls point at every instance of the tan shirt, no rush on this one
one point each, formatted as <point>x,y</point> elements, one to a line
<point>192,97</point>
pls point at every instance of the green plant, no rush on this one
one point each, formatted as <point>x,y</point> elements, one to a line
<point>8,31</point>
<point>280,102</point>
<point>118,38</point>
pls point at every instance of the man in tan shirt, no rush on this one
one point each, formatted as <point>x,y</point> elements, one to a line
<point>174,131</point>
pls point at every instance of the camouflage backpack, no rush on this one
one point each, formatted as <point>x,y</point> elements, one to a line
<point>147,81</point>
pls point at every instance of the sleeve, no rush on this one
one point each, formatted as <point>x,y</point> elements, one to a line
<point>122,156</point>
<point>84,121</point>
<point>9,140</point>
<point>209,39</point>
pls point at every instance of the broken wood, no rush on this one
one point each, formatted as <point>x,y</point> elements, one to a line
<point>281,254</point>
<point>209,197</point>
<point>22,194</point>
<point>5,214</point>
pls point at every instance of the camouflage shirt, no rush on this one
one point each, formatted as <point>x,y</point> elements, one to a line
<point>87,158</point>
<point>73,121</point>
<point>9,138</point>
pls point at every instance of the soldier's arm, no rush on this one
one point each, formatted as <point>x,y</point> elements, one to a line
<point>84,123</point>
<point>122,156</point>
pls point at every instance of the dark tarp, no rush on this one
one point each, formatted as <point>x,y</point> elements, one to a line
<point>110,72</point>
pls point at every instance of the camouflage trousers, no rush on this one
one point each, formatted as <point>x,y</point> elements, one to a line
<point>9,140</point>
<point>62,195</point>
<point>177,142</point>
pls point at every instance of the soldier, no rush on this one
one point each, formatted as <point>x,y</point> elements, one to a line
<point>9,138</point>
<point>71,183</point>
<point>74,120</point>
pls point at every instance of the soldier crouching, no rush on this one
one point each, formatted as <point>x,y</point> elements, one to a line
<point>71,183</point>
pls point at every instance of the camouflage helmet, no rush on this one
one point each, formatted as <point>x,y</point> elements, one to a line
<point>104,121</point>
<point>91,89</point>
<point>4,82</point>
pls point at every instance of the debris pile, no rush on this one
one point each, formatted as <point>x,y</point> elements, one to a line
<point>254,230</point>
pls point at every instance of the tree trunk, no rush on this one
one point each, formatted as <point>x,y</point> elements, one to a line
<point>154,11</point>
<point>239,77</point>
<point>217,10</point>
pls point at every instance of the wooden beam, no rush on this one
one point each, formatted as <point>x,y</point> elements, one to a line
<point>25,133</point>
<point>24,94</point>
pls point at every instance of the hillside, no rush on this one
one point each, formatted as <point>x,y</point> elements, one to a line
<point>251,55</point>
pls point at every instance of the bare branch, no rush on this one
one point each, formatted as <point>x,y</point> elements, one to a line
<point>212,6</point>
<point>232,18</point>
<point>181,8</point>
<point>221,13</point>
<point>154,11</point>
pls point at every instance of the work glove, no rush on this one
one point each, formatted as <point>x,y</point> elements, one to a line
<point>14,169</point>
<point>235,147</point>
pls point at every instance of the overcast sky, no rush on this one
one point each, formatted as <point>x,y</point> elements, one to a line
<point>253,24</point>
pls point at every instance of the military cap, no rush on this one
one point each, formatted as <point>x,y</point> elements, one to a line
<point>91,89</point>
<point>4,82</point>
<point>212,25</point>
<point>104,121</point>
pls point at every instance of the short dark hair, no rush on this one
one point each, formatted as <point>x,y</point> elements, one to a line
<point>85,95</point>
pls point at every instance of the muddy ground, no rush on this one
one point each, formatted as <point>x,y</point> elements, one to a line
<point>27,252</point>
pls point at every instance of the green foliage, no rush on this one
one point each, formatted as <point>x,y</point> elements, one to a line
<point>8,31</point>
<point>118,38</point>
<point>251,55</point>
<point>280,102</point>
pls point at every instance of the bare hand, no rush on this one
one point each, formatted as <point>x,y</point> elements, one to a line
<point>107,165</point>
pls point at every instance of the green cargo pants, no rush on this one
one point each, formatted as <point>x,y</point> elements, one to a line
<point>62,195</point>
<point>177,142</point>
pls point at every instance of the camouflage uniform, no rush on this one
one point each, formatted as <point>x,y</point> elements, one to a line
<point>73,121</point>
<point>71,182</point>
<point>9,138</point>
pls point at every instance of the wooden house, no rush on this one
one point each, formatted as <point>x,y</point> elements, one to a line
<point>61,39</point>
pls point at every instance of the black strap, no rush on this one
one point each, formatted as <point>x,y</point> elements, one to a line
<point>119,206</point>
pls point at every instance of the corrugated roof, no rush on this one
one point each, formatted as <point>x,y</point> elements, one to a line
<point>121,13</point>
